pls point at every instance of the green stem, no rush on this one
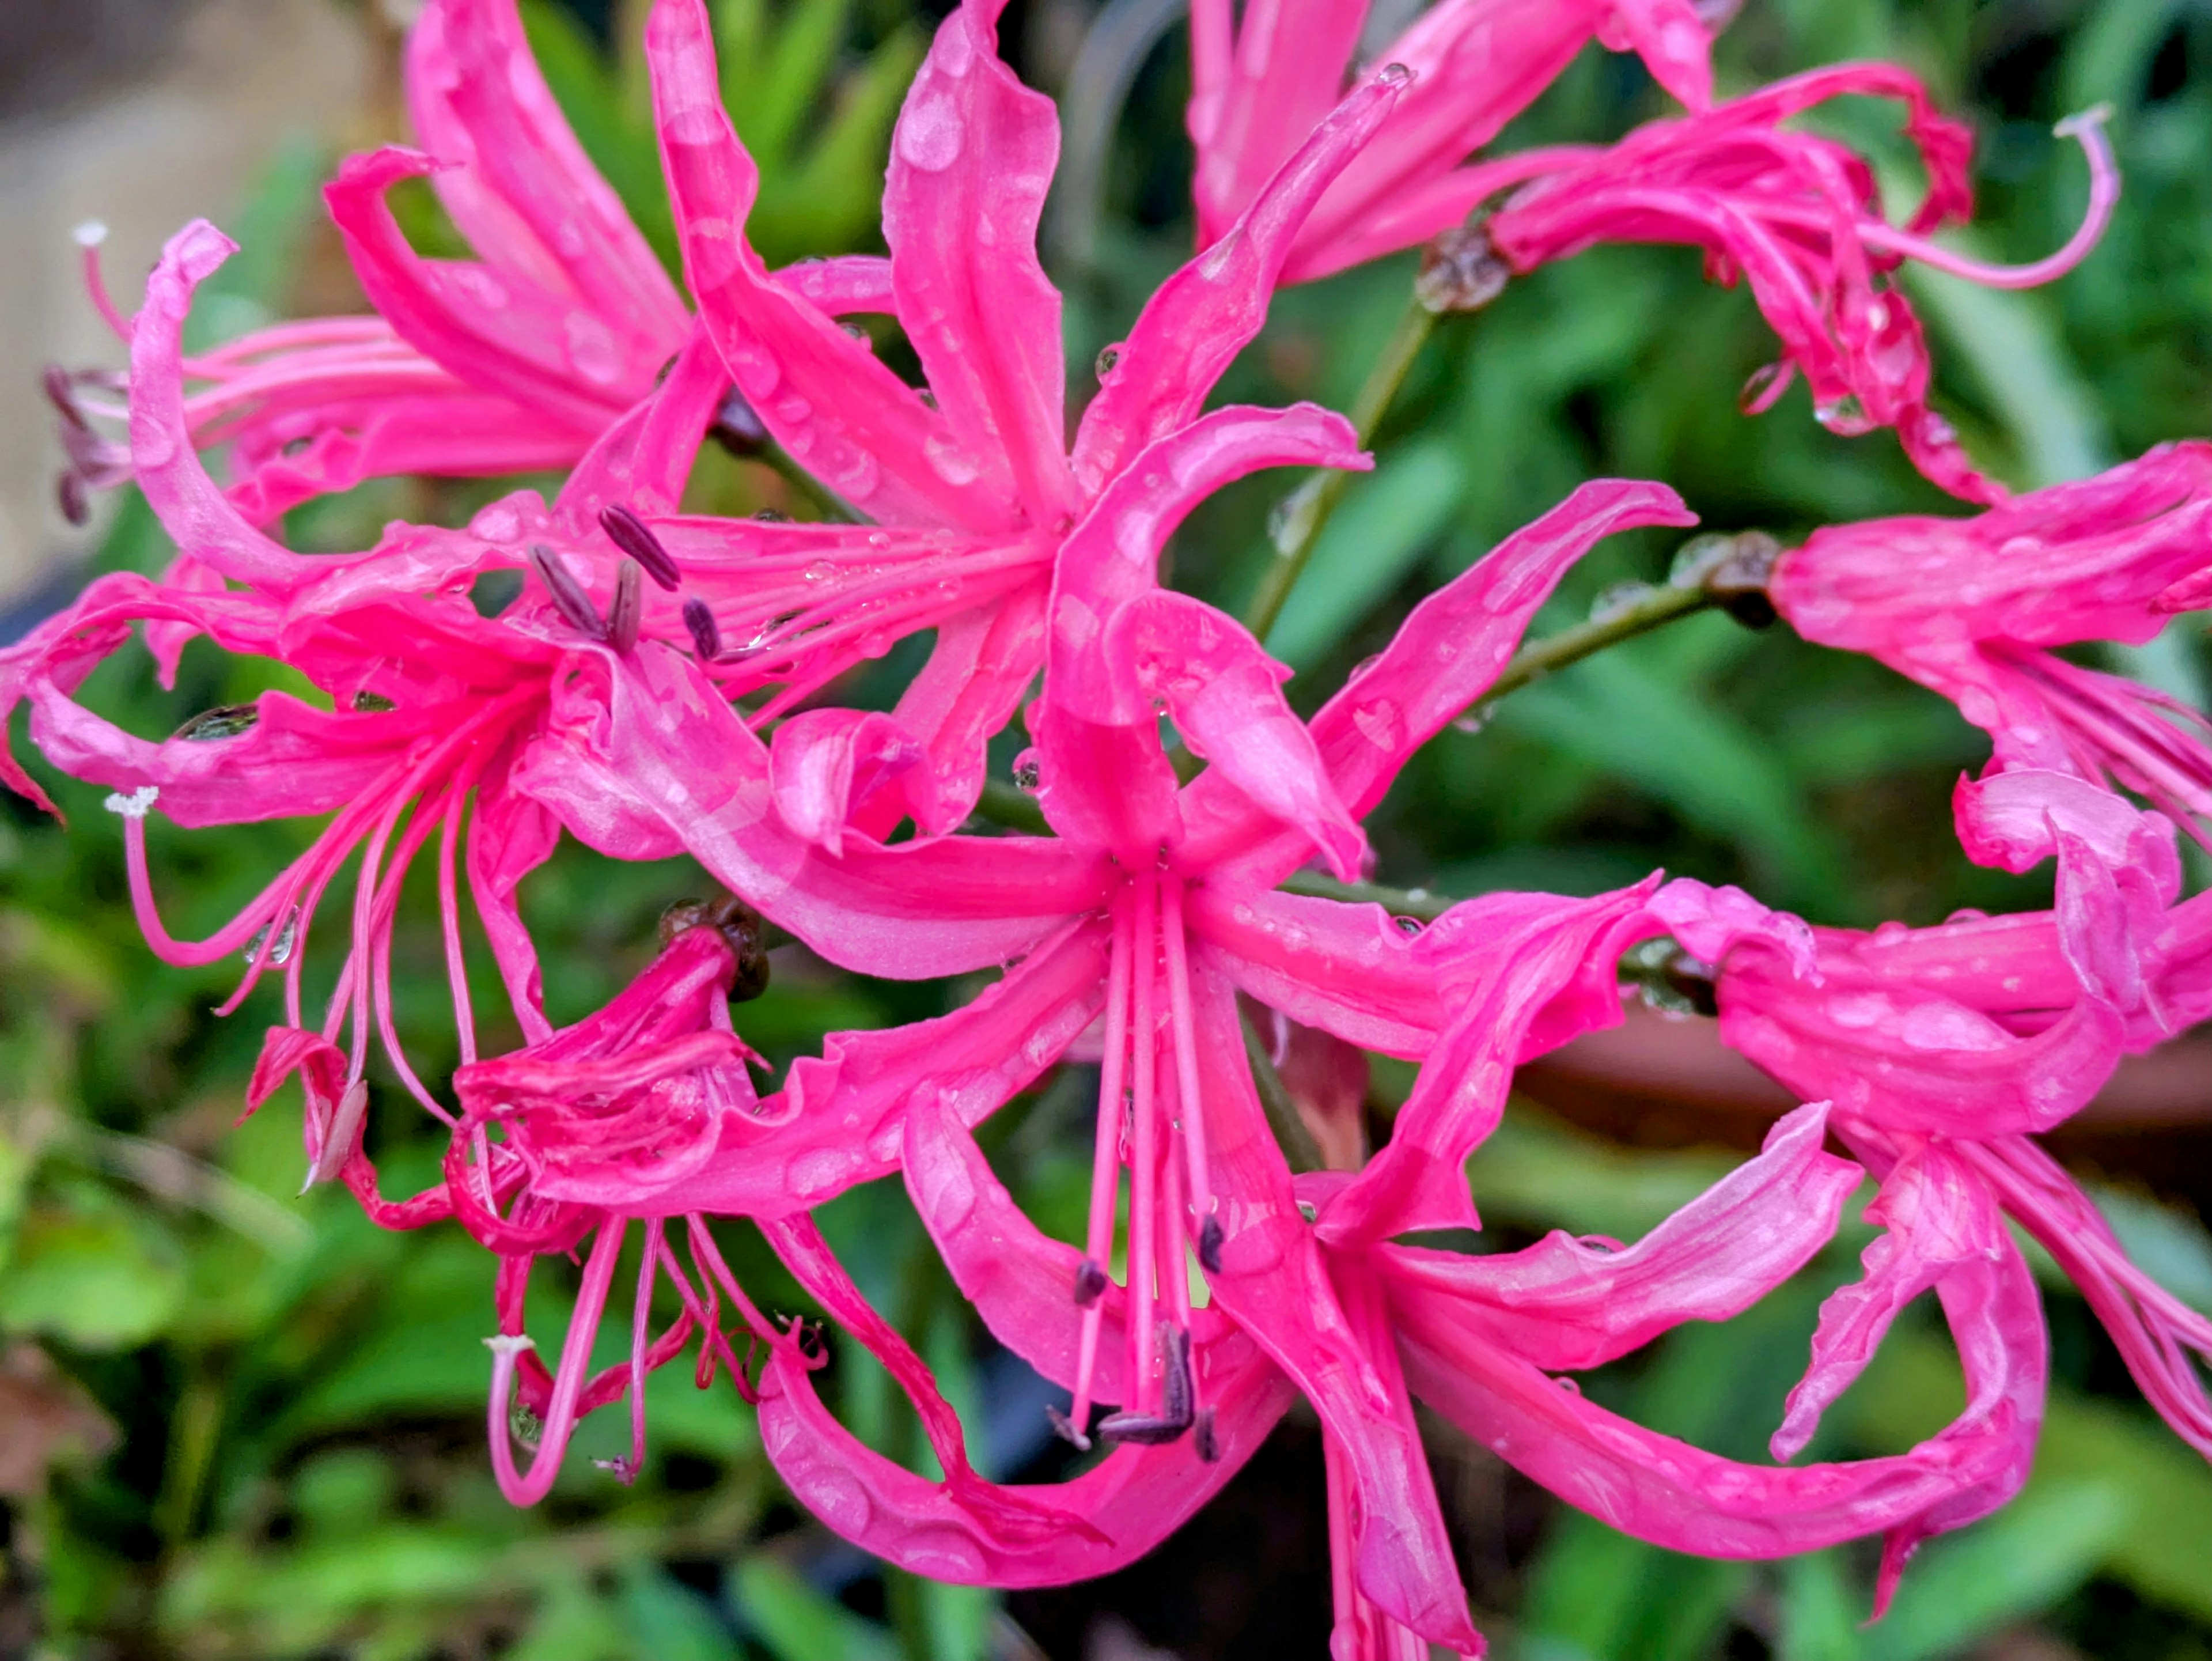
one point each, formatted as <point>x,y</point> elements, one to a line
<point>1303,513</point>
<point>1653,609</point>
<point>1298,1143</point>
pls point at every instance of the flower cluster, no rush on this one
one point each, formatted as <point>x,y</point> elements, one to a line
<point>668,683</point>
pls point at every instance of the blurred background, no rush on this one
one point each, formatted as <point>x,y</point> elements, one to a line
<point>237,1424</point>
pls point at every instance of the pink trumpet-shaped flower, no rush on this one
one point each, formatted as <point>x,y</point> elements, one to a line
<point>1259,84</point>
<point>1799,218</point>
<point>1944,1048</point>
<point>1972,609</point>
<point>516,361</point>
<point>972,483</point>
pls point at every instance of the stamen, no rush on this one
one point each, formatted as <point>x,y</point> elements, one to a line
<point>1175,1415</point>
<point>626,613</point>
<point>136,805</point>
<point>1144,1158</point>
<point>705,635</point>
<point>89,235</point>
<point>1209,1444</point>
<point>634,538</point>
<point>1105,1165</point>
<point>2087,130</point>
<point>1184,1026</point>
<point>567,594</point>
<point>560,1417</point>
<point>1090,1284</point>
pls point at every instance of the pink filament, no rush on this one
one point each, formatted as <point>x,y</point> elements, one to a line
<point>560,1417</point>
<point>1193,1115</point>
<point>1143,1158</point>
<point>1106,1161</point>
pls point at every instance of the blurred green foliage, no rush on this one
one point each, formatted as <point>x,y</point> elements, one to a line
<point>235,1422</point>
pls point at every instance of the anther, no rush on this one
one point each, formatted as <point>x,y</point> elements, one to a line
<point>567,594</point>
<point>1176,1415</point>
<point>1209,1245</point>
<point>70,497</point>
<point>634,538</point>
<point>1065,1428</point>
<point>61,393</point>
<point>705,634</point>
<point>1090,1284</point>
<point>1209,1444</point>
<point>627,611</point>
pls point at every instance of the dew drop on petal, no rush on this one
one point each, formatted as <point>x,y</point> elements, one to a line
<point>1107,358</point>
<point>593,352</point>
<point>951,464</point>
<point>929,134</point>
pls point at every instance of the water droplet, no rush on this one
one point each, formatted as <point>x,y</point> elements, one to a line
<point>771,516</point>
<point>225,721</point>
<point>929,134</point>
<point>955,46</point>
<point>821,571</point>
<point>280,953</point>
<point>497,523</point>
<point>1845,417</point>
<point>854,330</point>
<point>372,703</point>
<point>593,352</point>
<point>1107,358</point>
<point>953,463</point>
<point>1029,772</point>
<point>1394,75</point>
<point>856,474</point>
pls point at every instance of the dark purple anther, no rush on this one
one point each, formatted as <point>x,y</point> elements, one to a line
<point>1209,1245</point>
<point>1209,1444</point>
<point>1090,1284</point>
<point>634,538</point>
<point>61,393</point>
<point>627,611</point>
<point>567,594</point>
<point>1176,1399</point>
<point>705,635</point>
<point>70,497</point>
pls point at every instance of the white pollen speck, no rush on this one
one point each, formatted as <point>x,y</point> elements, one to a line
<point>135,805</point>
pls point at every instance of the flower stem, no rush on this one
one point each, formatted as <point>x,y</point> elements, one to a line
<point>1300,1149</point>
<point>1299,519</point>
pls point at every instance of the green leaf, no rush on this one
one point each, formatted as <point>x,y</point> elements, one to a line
<point>668,1621</point>
<point>1378,533</point>
<point>799,1623</point>
<point>110,1279</point>
<point>2020,1562</point>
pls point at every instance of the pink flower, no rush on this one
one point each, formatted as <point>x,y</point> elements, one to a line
<point>1147,916</point>
<point>1259,84</point>
<point>515,362</point>
<point>1800,218</point>
<point>973,487</point>
<point>1944,1048</point>
<point>1972,609</point>
<point>433,706</point>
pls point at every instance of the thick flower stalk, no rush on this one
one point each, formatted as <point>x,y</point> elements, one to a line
<point>1946,1049</point>
<point>1975,608</point>
<point>1259,83</point>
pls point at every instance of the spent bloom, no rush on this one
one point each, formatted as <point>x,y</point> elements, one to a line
<point>1975,609</point>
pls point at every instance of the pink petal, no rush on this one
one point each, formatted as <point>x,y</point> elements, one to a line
<point>1563,1303</point>
<point>1200,318</point>
<point>842,415</point>
<point>1445,656</point>
<point>666,748</point>
<point>1224,694</point>
<point>972,157</point>
<point>1418,1180</point>
<point>495,331</point>
<point>1349,970</point>
<point>520,188</point>
<point>847,1108</point>
<point>1276,1283</point>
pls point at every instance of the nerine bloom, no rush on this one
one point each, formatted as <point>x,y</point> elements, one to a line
<point>1142,922</point>
<point>1945,1049</point>
<point>437,714</point>
<point>1259,83</point>
<point>1800,219</point>
<point>1974,609</point>
<point>972,486</point>
<point>515,361</point>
